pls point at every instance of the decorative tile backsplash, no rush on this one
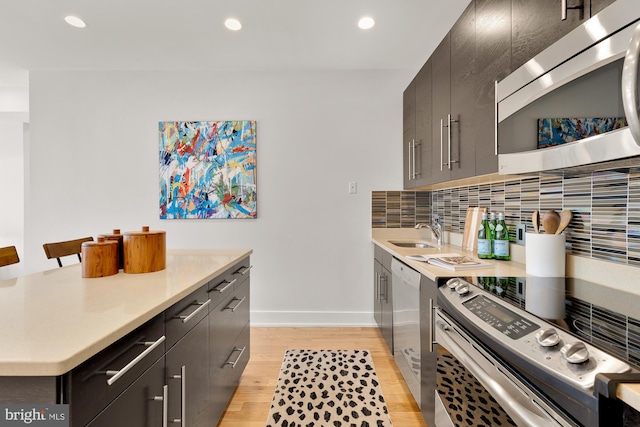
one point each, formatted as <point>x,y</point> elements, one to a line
<point>605,206</point>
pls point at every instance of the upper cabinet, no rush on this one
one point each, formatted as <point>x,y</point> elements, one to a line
<point>449,107</point>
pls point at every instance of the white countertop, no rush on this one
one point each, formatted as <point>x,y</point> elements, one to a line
<point>382,238</point>
<point>52,321</point>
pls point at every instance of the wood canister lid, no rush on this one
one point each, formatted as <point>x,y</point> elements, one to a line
<point>99,258</point>
<point>144,251</point>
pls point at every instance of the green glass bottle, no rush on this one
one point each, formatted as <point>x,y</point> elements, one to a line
<point>484,239</point>
<point>492,227</point>
<point>501,241</point>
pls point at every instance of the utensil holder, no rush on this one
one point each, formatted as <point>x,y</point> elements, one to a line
<point>545,255</point>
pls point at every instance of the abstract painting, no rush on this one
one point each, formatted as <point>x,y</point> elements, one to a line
<point>208,169</point>
<point>559,131</point>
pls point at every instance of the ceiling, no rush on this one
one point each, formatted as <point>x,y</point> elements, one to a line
<point>190,35</point>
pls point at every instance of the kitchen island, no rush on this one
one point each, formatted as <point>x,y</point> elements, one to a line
<point>54,323</point>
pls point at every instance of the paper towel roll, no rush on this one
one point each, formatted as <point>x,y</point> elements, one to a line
<point>545,255</point>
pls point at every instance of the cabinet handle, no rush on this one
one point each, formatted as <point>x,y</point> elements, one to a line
<point>202,305</point>
<point>240,301</point>
<point>225,287</point>
<point>441,145</point>
<point>246,270</point>
<point>495,121</point>
<point>564,8</point>
<point>235,362</point>
<point>630,85</point>
<point>183,400</point>
<point>432,319</point>
<point>165,406</point>
<point>449,121</point>
<point>383,296</point>
<point>377,286</point>
<point>409,161</point>
<point>115,375</point>
<point>413,148</point>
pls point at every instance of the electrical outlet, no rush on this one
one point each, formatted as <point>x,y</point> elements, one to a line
<point>353,187</point>
<point>520,233</point>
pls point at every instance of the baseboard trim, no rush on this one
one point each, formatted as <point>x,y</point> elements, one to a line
<point>311,318</point>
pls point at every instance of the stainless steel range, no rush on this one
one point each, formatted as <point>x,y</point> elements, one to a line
<point>535,352</point>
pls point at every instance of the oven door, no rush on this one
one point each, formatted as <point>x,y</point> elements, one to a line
<point>473,388</point>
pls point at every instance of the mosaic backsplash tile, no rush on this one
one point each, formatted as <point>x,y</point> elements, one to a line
<point>605,206</point>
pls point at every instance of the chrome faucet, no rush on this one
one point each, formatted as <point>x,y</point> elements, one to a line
<point>436,228</point>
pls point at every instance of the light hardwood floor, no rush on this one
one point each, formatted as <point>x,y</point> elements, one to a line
<point>250,403</point>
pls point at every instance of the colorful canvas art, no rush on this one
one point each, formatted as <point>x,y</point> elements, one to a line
<point>557,131</point>
<point>208,169</point>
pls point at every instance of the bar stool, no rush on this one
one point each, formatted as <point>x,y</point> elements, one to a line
<point>8,256</point>
<point>69,247</point>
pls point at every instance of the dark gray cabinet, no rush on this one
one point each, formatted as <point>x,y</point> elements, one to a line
<point>382,294</point>
<point>428,348</point>
<point>417,121</point>
<point>440,109</point>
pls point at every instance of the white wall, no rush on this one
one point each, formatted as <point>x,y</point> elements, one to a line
<point>12,136</point>
<point>93,166</point>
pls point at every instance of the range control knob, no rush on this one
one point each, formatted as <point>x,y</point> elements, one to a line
<point>547,337</point>
<point>575,352</point>
<point>452,283</point>
<point>462,288</point>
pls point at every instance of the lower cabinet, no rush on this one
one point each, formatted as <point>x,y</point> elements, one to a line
<point>428,348</point>
<point>382,298</point>
<point>181,368</point>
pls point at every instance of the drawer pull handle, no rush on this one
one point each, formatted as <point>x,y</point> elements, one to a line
<point>202,305</point>
<point>240,301</point>
<point>165,404</point>
<point>115,375</point>
<point>246,270</point>
<point>226,284</point>
<point>235,362</point>
<point>183,401</point>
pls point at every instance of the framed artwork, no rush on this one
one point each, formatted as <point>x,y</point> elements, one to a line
<point>557,131</point>
<point>208,169</point>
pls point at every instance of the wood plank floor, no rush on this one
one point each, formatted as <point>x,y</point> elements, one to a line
<point>250,404</point>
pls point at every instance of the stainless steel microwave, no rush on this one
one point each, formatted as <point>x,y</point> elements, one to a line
<point>592,73</point>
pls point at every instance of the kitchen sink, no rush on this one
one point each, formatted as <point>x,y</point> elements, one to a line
<point>410,244</point>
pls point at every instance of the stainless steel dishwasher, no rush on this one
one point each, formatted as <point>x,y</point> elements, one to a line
<point>406,324</point>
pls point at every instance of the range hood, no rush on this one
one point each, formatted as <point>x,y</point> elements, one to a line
<point>608,41</point>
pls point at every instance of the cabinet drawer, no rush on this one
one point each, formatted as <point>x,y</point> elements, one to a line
<point>139,405</point>
<point>220,288</point>
<point>102,378</point>
<point>227,321</point>
<point>226,371</point>
<point>185,314</point>
<point>241,271</point>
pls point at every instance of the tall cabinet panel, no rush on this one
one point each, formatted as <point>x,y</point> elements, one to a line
<point>538,24</point>
<point>441,109</point>
<point>493,63</point>
<point>408,133</point>
<point>463,84</point>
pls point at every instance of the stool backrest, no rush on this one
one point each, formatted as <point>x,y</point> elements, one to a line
<point>69,247</point>
<point>8,256</point>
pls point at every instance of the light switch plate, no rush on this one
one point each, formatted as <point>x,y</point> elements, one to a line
<point>520,234</point>
<point>353,187</point>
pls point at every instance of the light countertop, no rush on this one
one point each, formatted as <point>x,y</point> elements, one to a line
<point>52,321</point>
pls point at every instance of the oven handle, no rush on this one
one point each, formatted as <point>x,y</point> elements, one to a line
<point>494,387</point>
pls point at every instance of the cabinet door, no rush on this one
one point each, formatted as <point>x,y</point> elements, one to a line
<point>424,122</point>
<point>538,24</point>
<point>387,307</point>
<point>463,86</point>
<point>493,63</point>
<point>441,108</point>
<point>428,365</point>
<point>377,280</point>
<point>408,133</point>
<point>187,375</point>
<point>140,405</point>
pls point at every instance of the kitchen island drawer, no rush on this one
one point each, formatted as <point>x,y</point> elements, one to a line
<point>241,271</point>
<point>94,384</point>
<point>227,321</point>
<point>181,317</point>
<point>221,287</point>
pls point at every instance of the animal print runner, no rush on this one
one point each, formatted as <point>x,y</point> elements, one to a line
<point>333,388</point>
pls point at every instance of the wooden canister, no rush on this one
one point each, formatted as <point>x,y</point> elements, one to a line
<point>144,251</point>
<point>99,258</point>
<point>116,236</point>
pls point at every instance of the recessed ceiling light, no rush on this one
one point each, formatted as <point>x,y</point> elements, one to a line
<point>233,24</point>
<point>366,22</point>
<point>74,21</point>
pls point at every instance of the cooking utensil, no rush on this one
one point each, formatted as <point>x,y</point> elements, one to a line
<point>535,220</point>
<point>550,221</point>
<point>565,219</point>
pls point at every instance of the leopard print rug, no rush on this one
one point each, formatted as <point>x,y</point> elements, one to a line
<point>332,388</point>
